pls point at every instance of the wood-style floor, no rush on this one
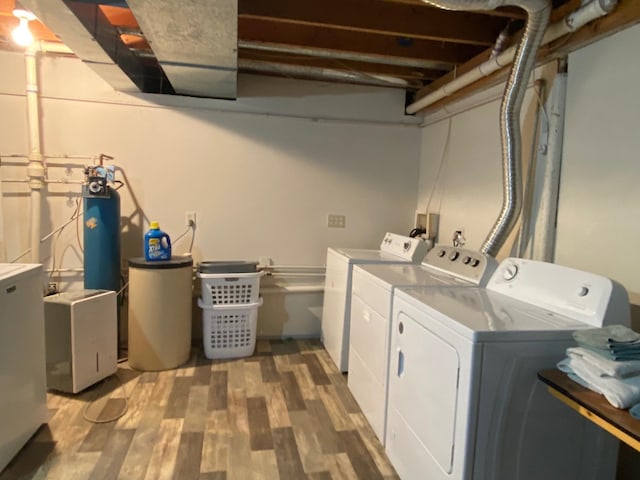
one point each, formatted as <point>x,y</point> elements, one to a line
<point>284,413</point>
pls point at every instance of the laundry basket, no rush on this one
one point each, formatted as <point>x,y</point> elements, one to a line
<point>229,283</point>
<point>229,331</point>
<point>229,302</point>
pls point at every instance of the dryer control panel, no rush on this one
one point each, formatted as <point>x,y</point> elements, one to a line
<point>583,296</point>
<point>408,248</point>
<point>472,266</point>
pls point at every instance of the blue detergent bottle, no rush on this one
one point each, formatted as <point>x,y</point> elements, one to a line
<point>157,244</point>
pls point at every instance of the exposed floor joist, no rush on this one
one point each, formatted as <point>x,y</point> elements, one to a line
<point>386,18</point>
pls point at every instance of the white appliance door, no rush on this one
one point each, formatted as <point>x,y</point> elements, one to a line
<point>336,304</point>
<point>423,397</point>
<point>368,360</point>
<point>22,362</point>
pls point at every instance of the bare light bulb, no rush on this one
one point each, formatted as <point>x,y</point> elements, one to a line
<point>21,34</point>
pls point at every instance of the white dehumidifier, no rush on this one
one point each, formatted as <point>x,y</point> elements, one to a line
<point>81,338</point>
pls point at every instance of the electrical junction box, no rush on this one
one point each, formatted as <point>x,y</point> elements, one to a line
<point>81,338</point>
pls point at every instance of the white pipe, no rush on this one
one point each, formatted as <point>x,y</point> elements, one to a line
<point>294,267</point>
<point>35,169</point>
<point>530,180</point>
<point>545,230</point>
<point>292,289</point>
<point>579,18</point>
<point>54,47</point>
<point>62,181</point>
<point>64,270</point>
<point>292,274</point>
<point>3,244</point>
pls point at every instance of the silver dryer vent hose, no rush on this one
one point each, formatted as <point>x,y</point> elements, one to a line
<point>538,12</point>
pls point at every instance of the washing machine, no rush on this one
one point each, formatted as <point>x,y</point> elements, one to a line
<point>336,308</point>
<point>464,401</point>
<point>371,308</point>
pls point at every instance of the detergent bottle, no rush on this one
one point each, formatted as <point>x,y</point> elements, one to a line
<point>157,244</point>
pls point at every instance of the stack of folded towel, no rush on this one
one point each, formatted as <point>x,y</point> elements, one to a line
<point>607,361</point>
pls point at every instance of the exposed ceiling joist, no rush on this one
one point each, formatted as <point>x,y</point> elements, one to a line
<point>385,18</point>
<point>251,29</point>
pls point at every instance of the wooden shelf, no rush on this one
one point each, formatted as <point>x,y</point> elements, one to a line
<point>593,406</point>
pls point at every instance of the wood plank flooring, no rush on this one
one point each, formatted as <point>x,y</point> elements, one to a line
<point>284,413</point>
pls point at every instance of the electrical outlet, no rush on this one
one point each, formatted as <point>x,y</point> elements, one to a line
<point>421,220</point>
<point>190,219</point>
<point>458,238</point>
<point>336,221</point>
<point>52,288</point>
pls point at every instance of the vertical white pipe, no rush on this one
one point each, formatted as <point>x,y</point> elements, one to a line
<point>3,244</point>
<point>35,169</point>
<point>545,231</point>
<point>530,179</point>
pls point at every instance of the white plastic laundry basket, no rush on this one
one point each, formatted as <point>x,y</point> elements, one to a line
<point>230,288</point>
<point>229,331</point>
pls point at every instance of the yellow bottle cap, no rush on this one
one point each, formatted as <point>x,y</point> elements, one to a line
<point>154,226</point>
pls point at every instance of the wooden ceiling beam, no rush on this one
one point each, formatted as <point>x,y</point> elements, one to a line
<point>385,18</point>
<point>258,30</point>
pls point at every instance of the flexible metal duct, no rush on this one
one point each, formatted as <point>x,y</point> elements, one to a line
<point>537,19</point>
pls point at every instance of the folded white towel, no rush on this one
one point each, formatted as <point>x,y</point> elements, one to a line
<point>606,366</point>
<point>621,393</point>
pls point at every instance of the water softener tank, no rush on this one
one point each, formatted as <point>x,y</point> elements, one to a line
<point>102,241</point>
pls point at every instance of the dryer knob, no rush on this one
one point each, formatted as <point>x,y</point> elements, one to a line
<point>442,253</point>
<point>400,327</point>
<point>454,256</point>
<point>510,271</point>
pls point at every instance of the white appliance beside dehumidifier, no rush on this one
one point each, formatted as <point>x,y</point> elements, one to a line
<point>464,399</point>
<point>336,308</point>
<point>371,313</point>
<point>23,395</point>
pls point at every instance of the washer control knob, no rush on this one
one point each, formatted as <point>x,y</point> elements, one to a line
<point>406,246</point>
<point>475,262</point>
<point>583,292</point>
<point>454,256</point>
<point>466,260</point>
<point>510,271</point>
<point>442,253</point>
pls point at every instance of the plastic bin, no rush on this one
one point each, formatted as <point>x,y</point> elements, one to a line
<point>229,331</point>
<point>234,266</point>
<point>230,288</point>
<point>160,296</point>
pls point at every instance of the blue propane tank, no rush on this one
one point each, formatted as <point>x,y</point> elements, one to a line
<point>157,244</point>
<point>102,241</point>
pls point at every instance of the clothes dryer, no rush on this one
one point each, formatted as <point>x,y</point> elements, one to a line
<point>464,401</point>
<point>371,308</point>
<point>336,307</point>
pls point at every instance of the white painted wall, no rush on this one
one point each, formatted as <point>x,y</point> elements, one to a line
<point>461,169</point>
<point>598,226</point>
<point>261,183</point>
